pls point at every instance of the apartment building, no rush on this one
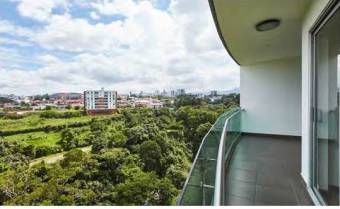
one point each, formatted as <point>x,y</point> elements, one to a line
<point>148,103</point>
<point>100,101</point>
<point>180,92</point>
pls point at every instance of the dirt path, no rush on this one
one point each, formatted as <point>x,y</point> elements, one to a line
<point>56,157</point>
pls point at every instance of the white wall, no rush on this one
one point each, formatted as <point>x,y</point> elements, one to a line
<point>309,19</point>
<point>271,97</point>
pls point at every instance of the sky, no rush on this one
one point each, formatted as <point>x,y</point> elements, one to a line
<point>49,46</point>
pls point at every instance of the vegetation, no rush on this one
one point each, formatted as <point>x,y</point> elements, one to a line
<point>138,157</point>
<point>45,121</point>
<point>56,114</point>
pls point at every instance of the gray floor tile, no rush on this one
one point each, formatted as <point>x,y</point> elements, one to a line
<point>244,164</point>
<point>241,189</point>
<point>235,200</point>
<point>274,196</point>
<point>242,175</point>
<point>264,171</point>
<point>267,179</point>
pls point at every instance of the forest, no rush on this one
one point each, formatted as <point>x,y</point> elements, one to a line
<point>136,157</point>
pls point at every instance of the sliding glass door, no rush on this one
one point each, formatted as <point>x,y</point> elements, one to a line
<point>326,41</point>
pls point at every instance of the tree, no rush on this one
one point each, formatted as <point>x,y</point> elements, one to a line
<point>50,114</point>
<point>151,156</point>
<point>4,167</point>
<point>136,135</point>
<point>192,119</point>
<point>99,143</point>
<point>178,175</point>
<point>68,139</point>
<point>116,139</point>
<point>141,157</point>
<point>200,132</point>
<point>189,100</point>
<point>73,156</point>
<point>145,189</point>
<point>109,163</point>
<point>29,151</point>
<point>45,150</point>
<point>98,127</point>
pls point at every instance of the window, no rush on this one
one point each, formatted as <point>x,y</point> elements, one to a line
<point>326,51</point>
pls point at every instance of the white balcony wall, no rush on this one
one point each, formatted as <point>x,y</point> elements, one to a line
<point>271,97</point>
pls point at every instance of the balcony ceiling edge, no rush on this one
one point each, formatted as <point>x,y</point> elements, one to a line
<point>236,22</point>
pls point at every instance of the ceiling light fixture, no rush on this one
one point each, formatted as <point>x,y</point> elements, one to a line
<point>266,25</point>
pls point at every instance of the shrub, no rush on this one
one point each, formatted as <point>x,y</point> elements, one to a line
<point>4,167</point>
<point>50,114</point>
<point>75,155</point>
<point>13,116</point>
<point>69,139</point>
<point>55,114</point>
<point>45,150</point>
<point>29,151</point>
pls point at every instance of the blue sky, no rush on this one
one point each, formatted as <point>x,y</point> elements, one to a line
<point>51,46</point>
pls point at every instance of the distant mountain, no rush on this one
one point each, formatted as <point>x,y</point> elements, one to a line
<point>66,95</point>
<point>232,91</point>
<point>226,92</point>
<point>6,100</point>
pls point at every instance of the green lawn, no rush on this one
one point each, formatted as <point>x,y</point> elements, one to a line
<point>34,121</point>
<point>36,138</point>
<point>44,139</point>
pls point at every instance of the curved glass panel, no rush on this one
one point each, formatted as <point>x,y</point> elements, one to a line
<point>200,185</point>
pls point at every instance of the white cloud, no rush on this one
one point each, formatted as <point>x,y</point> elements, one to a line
<point>40,10</point>
<point>10,28</point>
<point>94,15</point>
<point>5,26</point>
<point>148,49</point>
<point>9,41</point>
<point>13,58</point>
<point>126,7</point>
<point>78,35</point>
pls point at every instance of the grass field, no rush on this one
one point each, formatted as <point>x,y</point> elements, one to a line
<point>34,121</point>
<point>44,139</point>
<point>36,138</point>
<point>56,157</point>
<point>46,142</point>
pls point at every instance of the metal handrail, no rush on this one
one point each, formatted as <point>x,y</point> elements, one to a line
<point>220,171</point>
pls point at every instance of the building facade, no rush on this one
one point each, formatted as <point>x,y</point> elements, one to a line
<point>100,101</point>
<point>180,92</point>
<point>148,103</point>
<point>288,151</point>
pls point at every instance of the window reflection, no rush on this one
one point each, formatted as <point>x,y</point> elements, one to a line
<point>327,110</point>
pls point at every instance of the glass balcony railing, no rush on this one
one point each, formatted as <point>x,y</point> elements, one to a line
<point>204,185</point>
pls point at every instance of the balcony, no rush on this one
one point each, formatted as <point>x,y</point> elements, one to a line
<point>235,168</point>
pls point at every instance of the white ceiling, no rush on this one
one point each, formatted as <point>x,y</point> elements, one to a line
<point>236,20</point>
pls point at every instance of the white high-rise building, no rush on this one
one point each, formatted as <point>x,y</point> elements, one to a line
<point>100,101</point>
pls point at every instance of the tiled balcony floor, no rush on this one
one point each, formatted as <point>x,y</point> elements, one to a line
<point>265,170</point>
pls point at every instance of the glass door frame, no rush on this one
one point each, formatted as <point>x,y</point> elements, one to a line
<point>332,7</point>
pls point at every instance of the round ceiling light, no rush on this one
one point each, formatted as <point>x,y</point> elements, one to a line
<point>266,25</point>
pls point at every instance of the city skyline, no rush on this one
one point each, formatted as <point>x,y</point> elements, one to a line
<point>167,92</point>
<point>68,46</point>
